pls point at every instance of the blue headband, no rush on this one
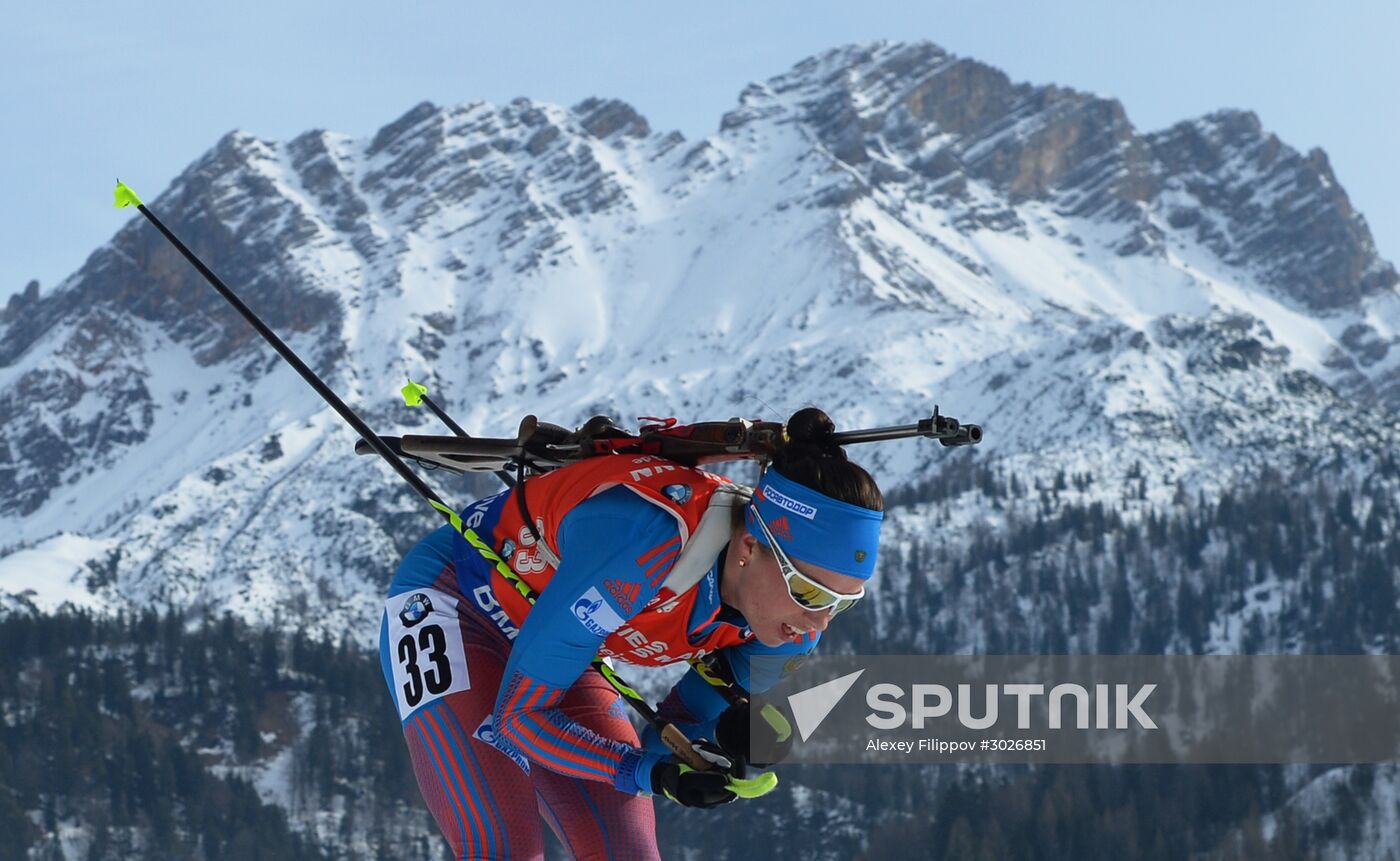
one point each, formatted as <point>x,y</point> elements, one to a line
<point>816,528</point>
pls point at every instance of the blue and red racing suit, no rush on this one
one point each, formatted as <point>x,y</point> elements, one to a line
<point>495,696</point>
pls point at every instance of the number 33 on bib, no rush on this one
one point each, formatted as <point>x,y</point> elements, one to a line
<point>425,648</point>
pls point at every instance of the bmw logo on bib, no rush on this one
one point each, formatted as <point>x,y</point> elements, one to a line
<point>679,493</point>
<point>415,610</point>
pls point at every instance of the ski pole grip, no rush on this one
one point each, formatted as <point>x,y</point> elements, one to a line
<point>680,746</point>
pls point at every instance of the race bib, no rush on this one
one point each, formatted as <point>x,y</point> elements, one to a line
<point>425,648</point>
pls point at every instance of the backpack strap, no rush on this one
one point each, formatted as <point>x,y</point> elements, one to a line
<point>715,529</point>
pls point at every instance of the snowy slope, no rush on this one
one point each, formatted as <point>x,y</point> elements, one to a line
<point>882,228</point>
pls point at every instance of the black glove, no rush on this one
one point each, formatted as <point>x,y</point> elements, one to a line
<point>769,738</point>
<point>684,785</point>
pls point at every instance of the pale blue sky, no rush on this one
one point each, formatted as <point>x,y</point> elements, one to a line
<point>90,91</point>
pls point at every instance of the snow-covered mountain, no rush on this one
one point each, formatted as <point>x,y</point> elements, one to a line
<point>882,228</point>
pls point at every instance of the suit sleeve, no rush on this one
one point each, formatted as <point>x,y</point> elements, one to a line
<point>611,536</point>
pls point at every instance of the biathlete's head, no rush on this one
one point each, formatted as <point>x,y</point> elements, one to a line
<point>808,540</point>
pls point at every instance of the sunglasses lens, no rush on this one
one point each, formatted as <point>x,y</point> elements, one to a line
<point>810,596</point>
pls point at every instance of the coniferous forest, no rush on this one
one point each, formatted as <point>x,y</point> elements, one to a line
<point>136,728</point>
<point>162,735</point>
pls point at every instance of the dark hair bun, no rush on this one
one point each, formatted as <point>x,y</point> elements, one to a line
<point>811,456</point>
<point>811,432</point>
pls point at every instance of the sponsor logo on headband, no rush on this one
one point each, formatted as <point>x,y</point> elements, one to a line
<point>781,528</point>
<point>801,509</point>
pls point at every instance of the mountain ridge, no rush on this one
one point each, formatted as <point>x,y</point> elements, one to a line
<point>1143,323</point>
<point>929,225</point>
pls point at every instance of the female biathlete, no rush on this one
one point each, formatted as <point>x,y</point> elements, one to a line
<point>638,559</point>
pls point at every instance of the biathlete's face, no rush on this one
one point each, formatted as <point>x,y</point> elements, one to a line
<point>770,608</point>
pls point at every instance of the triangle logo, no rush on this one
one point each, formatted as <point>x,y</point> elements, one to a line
<point>810,707</point>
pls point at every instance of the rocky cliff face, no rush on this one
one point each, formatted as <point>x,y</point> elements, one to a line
<point>1277,211</point>
<point>917,117</point>
<point>882,219</point>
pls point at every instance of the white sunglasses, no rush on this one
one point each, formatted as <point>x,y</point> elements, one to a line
<point>804,591</point>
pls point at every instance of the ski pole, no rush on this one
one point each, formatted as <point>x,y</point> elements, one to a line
<point>416,393</point>
<point>124,197</point>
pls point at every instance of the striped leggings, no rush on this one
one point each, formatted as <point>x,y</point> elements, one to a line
<point>443,661</point>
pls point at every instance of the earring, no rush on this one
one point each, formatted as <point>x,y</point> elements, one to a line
<point>743,562</point>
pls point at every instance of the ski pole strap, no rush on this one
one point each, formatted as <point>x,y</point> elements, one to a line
<point>782,728</point>
<point>753,787</point>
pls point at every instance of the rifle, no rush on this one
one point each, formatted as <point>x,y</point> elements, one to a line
<point>540,447</point>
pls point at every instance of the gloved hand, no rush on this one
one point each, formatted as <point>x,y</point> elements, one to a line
<point>738,736</point>
<point>720,785</point>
